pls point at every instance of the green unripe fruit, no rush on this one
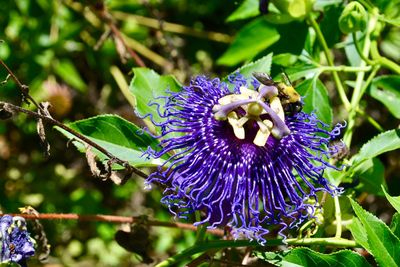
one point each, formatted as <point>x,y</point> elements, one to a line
<point>353,18</point>
<point>296,9</point>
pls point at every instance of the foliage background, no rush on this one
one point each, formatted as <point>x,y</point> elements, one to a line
<point>54,47</point>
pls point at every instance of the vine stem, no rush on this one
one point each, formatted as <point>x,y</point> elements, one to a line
<point>322,41</point>
<point>113,219</point>
<point>338,217</point>
<point>344,68</point>
<point>343,97</point>
<point>201,229</point>
<point>371,120</point>
<point>220,244</point>
<point>360,85</point>
<point>383,61</point>
<point>50,120</point>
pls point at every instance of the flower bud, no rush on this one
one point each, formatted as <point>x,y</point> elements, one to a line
<point>296,9</point>
<point>353,18</point>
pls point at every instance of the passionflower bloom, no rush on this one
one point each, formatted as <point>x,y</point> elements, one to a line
<point>16,244</point>
<point>244,155</point>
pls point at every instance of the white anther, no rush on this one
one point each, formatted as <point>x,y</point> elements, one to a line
<point>262,134</point>
<point>234,122</point>
<point>276,106</point>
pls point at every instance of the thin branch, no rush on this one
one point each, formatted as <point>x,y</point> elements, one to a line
<point>114,219</point>
<point>173,27</point>
<point>102,12</point>
<point>125,164</point>
<point>133,54</point>
<point>24,88</point>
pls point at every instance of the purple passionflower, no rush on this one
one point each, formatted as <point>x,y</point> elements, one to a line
<point>16,244</point>
<point>240,158</point>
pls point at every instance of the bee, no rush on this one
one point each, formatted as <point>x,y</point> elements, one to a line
<point>290,98</point>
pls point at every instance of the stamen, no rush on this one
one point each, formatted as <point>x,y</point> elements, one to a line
<point>238,129</point>
<point>263,133</point>
<point>276,106</point>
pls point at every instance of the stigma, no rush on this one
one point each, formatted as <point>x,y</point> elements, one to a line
<point>262,106</point>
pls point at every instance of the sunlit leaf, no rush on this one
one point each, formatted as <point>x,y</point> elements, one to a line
<point>285,59</point>
<point>395,224</point>
<point>394,201</point>
<point>382,243</point>
<point>309,258</point>
<point>118,136</point>
<point>386,89</point>
<point>371,174</point>
<point>316,99</point>
<point>382,143</point>
<point>66,70</point>
<point>307,71</point>
<point>359,233</point>
<point>261,65</point>
<point>146,86</point>
<point>248,9</point>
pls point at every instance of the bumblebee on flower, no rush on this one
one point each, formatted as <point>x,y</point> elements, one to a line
<point>247,159</point>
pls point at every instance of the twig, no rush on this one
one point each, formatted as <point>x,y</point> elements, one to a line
<point>125,164</point>
<point>24,88</point>
<point>102,12</point>
<point>113,219</point>
<point>173,27</point>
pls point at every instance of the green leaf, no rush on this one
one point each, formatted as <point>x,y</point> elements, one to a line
<point>66,70</point>
<point>372,176</point>
<point>391,42</point>
<point>9,264</point>
<point>146,85</point>
<point>394,22</point>
<point>386,89</point>
<point>370,170</point>
<point>316,99</point>
<point>120,137</point>
<point>395,224</point>
<point>307,71</point>
<point>384,142</point>
<point>383,244</point>
<point>293,33</point>
<point>330,24</point>
<point>359,233</point>
<point>394,201</point>
<point>261,65</point>
<point>285,59</point>
<point>308,258</point>
<point>248,9</point>
<point>351,51</point>
<point>253,38</point>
